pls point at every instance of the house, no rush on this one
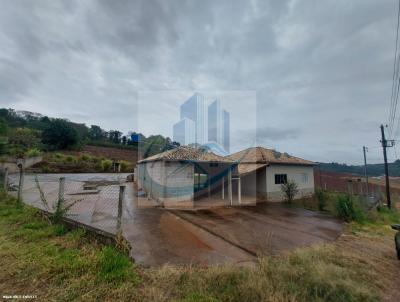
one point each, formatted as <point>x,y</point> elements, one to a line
<point>191,177</point>
<point>184,176</point>
<point>262,172</point>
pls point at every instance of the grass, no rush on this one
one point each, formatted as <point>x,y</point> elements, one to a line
<point>55,263</point>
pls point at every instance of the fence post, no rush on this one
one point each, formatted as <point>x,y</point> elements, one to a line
<point>6,179</point>
<point>21,182</point>
<point>61,187</point>
<point>350,187</point>
<point>120,201</point>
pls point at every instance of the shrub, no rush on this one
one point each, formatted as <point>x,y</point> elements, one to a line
<point>124,165</point>
<point>24,137</point>
<point>348,209</point>
<point>321,198</point>
<point>69,159</point>
<point>106,164</point>
<point>33,152</point>
<point>289,190</point>
<point>86,157</point>
<point>59,156</point>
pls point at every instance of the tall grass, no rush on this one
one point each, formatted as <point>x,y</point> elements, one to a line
<point>57,263</point>
<point>321,273</point>
<point>349,209</point>
<point>321,198</point>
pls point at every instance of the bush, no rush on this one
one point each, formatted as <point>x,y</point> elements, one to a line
<point>321,198</point>
<point>349,210</point>
<point>290,190</point>
<point>70,159</point>
<point>124,165</point>
<point>24,137</point>
<point>33,152</point>
<point>59,156</point>
<point>106,164</point>
<point>86,157</point>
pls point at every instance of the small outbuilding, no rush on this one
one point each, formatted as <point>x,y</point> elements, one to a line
<point>261,172</point>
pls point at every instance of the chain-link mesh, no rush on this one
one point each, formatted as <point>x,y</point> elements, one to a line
<point>90,199</point>
<point>2,178</point>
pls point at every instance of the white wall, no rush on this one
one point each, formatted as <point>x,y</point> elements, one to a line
<point>171,183</point>
<point>302,175</point>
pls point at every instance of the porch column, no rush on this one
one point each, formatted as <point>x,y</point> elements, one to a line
<point>266,185</point>
<point>230,186</point>
<point>240,190</point>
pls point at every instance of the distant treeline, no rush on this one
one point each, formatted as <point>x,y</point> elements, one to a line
<point>373,169</point>
<point>23,132</point>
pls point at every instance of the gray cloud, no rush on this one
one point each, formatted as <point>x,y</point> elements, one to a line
<point>321,69</point>
<point>267,134</point>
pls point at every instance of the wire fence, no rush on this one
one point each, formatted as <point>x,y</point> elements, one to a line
<point>356,185</point>
<point>95,200</point>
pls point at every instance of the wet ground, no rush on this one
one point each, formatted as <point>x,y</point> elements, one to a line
<point>269,228</point>
<point>203,237</point>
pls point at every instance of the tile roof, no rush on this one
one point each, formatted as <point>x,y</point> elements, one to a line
<point>262,155</point>
<point>187,153</point>
<point>244,169</point>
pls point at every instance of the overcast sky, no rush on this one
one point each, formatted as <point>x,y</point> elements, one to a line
<point>318,73</point>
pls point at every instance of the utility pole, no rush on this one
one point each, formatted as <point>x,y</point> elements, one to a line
<point>384,146</point>
<point>365,149</point>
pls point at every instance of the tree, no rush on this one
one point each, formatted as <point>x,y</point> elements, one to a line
<point>289,190</point>
<point>115,136</point>
<point>3,127</point>
<point>96,133</point>
<point>3,136</point>
<point>59,134</point>
<point>24,137</point>
<point>81,129</point>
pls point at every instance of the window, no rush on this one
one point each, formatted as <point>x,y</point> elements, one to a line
<point>304,178</point>
<point>213,164</point>
<point>280,179</point>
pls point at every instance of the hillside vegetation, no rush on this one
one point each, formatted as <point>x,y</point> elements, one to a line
<point>25,133</point>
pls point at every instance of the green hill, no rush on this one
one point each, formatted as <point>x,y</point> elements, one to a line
<point>373,169</point>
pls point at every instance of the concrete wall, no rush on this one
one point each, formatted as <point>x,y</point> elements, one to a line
<point>302,175</point>
<point>170,183</point>
<point>179,186</point>
<point>250,184</point>
<point>11,163</point>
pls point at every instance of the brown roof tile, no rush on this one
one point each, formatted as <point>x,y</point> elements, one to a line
<point>187,153</point>
<point>262,155</point>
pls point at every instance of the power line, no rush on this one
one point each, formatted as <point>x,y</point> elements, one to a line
<point>395,79</point>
